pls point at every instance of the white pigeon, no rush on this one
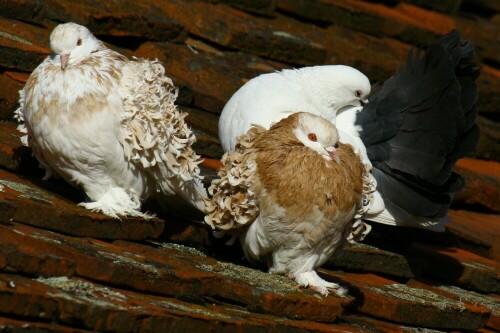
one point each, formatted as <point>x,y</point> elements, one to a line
<point>291,194</point>
<point>267,98</point>
<point>108,125</point>
<point>411,132</point>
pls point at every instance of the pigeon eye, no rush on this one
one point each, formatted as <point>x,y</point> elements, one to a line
<point>358,93</point>
<point>312,137</point>
<point>79,42</point>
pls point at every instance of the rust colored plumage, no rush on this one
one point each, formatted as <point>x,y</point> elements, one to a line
<point>290,202</point>
<point>301,179</point>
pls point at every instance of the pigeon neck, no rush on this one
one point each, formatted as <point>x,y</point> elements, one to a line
<point>323,92</point>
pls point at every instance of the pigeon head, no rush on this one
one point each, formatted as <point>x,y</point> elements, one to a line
<point>72,43</point>
<point>318,134</point>
<point>339,87</point>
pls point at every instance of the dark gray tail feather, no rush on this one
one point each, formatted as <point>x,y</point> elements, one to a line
<point>419,123</point>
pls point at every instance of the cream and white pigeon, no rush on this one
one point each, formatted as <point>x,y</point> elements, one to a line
<point>291,195</point>
<point>108,125</point>
<point>413,130</point>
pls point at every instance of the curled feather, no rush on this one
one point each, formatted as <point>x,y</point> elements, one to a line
<point>153,131</point>
<point>233,204</point>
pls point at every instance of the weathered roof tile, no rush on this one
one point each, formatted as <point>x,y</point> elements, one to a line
<point>25,202</point>
<point>22,46</point>
<point>469,298</point>
<point>476,232</point>
<point>384,298</point>
<point>459,267</point>
<point>171,270</point>
<point>234,29</point>
<point>379,325</point>
<point>479,189</point>
<point>365,258</point>
<point>84,304</point>
<point>445,6</point>
<point>8,96</point>
<point>404,21</point>
<point>24,10</point>
<point>260,7</point>
<point>21,325</point>
<point>119,19</point>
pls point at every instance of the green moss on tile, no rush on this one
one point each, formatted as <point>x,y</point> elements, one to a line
<point>84,292</point>
<point>419,296</point>
<point>27,191</point>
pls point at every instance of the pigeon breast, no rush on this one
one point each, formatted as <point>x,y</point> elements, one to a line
<point>301,181</point>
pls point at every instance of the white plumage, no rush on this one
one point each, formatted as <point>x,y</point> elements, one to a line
<point>267,98</point>
<point>108,125</point>
<point>291,194</point>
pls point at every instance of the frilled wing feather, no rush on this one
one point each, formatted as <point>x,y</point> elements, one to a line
<point>233,204</point>
<point>359,229</point>
<point>154,134</point>
<point>19,117</point>
<point>419,123</point>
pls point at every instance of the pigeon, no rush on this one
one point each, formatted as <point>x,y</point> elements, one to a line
<point>267,98</point>
<point>290,194</point>
<point>108,125</point>
<point>409,132</point>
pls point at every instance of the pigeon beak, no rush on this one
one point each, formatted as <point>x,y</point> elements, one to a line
<point>64,60</point>
<point>332,152</point>
<point>363,101</point>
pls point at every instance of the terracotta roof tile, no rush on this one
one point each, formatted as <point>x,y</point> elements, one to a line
<point>8,96</point>
<point>403,21</point>
<point>25,202</point>
<point>469,298</point>
<point>118,19</point>
<point>22,46</point>
<point>488,168</point>
<point>476,231</point>
<point>479,189</point>
<point>366,258</point>
<point>89,305</point>
<point>445,6</point>
<point>169,270</point>
<point>234,29</point>
<point>260,7</point>
<point>460,267</point>
<point>384,298</point>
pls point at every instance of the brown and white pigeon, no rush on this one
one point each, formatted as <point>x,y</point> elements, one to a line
<point>291,194</point>
<point>108,125</point>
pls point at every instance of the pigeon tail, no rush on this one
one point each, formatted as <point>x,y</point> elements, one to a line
<point>419,123</point>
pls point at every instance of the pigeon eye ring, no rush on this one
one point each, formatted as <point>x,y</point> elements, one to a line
<point>312,137</point>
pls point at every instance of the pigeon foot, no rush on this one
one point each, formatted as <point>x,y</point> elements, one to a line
<point>115,203</point>
<point>313,281</point>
